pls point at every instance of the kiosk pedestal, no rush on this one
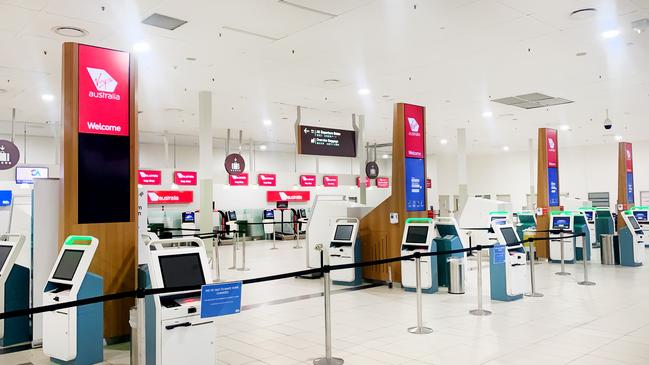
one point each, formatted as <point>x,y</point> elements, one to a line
<point>449,239</point>
<point>564,223</point>
<point>418,237</point>
<point>507,266</point>
<point>14,292</point>
<point>345,248</point>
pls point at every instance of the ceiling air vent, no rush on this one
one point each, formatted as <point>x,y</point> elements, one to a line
<point>531,101</point>
<point>163,21</point>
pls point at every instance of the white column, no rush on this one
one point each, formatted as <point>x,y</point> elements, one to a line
<point>206,163</point>
<point>463,189</point>
<point>360,157</point>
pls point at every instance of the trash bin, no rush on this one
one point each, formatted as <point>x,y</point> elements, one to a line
<point>607,252</point>
<point>456,275</point>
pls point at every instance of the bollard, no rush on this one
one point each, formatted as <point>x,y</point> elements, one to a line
<point>328,359</point>
<point>420,329</point>
<point>563,262</point>
<point>480,311</point>
<point>141,331</point>
<point>586,282</point>
<point>234,253</point>
<point>533,293</point>
<point>274,247</point>
<point>243,255</point>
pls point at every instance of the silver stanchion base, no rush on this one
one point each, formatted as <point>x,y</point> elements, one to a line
<point>534,295</point>
<point>587,283</point>
<point>243,269</point>
<point>325,361</point>
<point>480,312</point>
<point>273,248</point>
<point>562,273</point>
<point>232,268</point>
<point>420,330</point>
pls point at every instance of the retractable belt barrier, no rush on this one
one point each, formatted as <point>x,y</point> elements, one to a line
<point>142,292</point>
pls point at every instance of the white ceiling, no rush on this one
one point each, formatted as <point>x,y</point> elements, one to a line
<point>450,55</point>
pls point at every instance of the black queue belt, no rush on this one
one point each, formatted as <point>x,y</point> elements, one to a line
<point>141,292</point>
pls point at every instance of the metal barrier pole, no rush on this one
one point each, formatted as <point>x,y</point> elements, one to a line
<point>297,237</point>
<point>243,255</point>
<point>563,262</point>
<point>390,276</point>
<point>533,293</point>
<point>234,252</point>
<point>328,359</point>
<point>141,332</point>
<point>420,329</point>
<point>216,263</point>
<point>480,311</point>
<point>586,282</point>
<point>274,247</point>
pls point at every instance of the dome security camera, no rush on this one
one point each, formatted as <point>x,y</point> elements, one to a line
<point>608,124</point>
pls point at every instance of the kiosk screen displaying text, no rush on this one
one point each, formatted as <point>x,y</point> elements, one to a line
<point>415,185</point>
<point>553,187</point>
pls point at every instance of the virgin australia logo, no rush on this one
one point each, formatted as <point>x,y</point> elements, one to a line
<point>414,126</point>
<point>104,83</point>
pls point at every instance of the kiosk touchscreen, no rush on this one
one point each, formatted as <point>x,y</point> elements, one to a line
<point>418,236</point>
<point>14,291</point>
<point>563,226</point>
<point>232,221</point>
<point>589,216</point>
<point>345,248</point>
<point>448,239</point>
<point>642,216</point>
<point>176,333</point>
<point>75,334</point>
<point>632,241</point>
<point>508,274</point>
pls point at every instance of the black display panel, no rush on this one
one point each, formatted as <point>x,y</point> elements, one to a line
<point>269,214</point>
<point>509,235</point>
<point>634,223</point>
<point>232,215</point>
<point>417,234</point>
<point>68,265</point>
<point>303,213</point>
<point>327,141</point>
<point>589,215</point>
<point>282,204</point>
<point>104,179</point>
<point>4,254</point>
<point>181,270</point>
<point>343,232</point>
<point>188,217</point>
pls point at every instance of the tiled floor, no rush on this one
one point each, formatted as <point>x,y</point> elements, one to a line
<point>603,324</point>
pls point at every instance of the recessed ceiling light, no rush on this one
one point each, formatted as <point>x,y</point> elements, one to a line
<point>385,157</point>
<point>640,26</point>
<point>47,97</point>
<point>69,31</point>
<point>487,114</point>
<point>618,138</point>
<point>191,58</point>
<point>364,91</point>
<point>611,33</point>
<point>579,54</point>
<point>443,141</point>
<point>140,47</point>
<point>505,148</point>
<point>564,127</point>
<point>262,147</point>
<point>268,122</point>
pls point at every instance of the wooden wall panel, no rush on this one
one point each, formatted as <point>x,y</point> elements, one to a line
<point>542,198</point>
<point>116,256</point>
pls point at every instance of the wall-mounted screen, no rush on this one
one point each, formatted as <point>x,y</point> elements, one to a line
<point>560,222</point>
<point>27,175</point>
<point>343,232</point>
<point>4,254</point>
<point>641,215</point>
<point>181,270</point>
<point>302,213</point>
<point>282,204</point>
<point>326,141</point>
<point>68,264</point>
<point>417,234</point>
<point>232,215</point>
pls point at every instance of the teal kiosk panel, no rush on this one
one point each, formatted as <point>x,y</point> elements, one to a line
<point>448,239</point>
<point>581,226</point>
<point>603,224</point>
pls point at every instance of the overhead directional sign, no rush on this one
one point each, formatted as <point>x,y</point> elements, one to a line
<point>326,141</point>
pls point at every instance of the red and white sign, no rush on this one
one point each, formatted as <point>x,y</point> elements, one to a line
<point>628,156</point>
<point>149,177</point>
<point>185,178</point>
<point>307,180</point>
<point>238,180</point>
<point>367,182</point>
<point>382,182</point>
<point>429,183</point>
<point>103,91</point>
<point>170,197</point>
<point>414,133</point>
<point>330,181</point>
<point>293,196</point>
<point>266,179</point>
<point>552,146</point>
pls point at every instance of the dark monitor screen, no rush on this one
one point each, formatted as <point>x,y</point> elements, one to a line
<point>282,205</point>
<point>188,217</point>
<point>417,234</point>
<point>232,215</point>
<point>4,254</point>
<point>343,232</point>
<point>589,215</point>
<point>68,265</point>
<point>498,218</point>
<point>269,214</point>
<point>509,235</point>
<point>634,223</point>
<point>560,222</point>
<point>303,213</point>
<point>640,215</point>
<point>181,270</point>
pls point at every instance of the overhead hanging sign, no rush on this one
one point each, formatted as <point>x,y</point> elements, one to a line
<point>149,177</point>
<point>553,187</point>
<point>185,177</point>
<point>382,182</point>
<point>234,164</point>
<point>238,180</point>
<point>628,157</point>
<point>552,146</point>
<point>415,185</point>
<point>372,170</point>
<point>9,154</point>
<point>170,197</point>
<point>307,180</point>
<point>266,179</point>
<point>413,118</point>
<point>330,181</point>
<point>326,141</point>
<point>103,91</point>
<point>291,196</point>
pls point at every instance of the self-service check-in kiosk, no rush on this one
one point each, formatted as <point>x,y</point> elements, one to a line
<point>589,216</point>
<point>302,220</point>
<point>604,223</point>
<point>507,265</point>
<point>632,241</point>
<point>14,291</point>
<point>175,331</point>
<point>497,218</point>
<point>188,223</point>
<point>345,248</point>
<point>641,215</point>
<point>448,239</point>
<point>74,335</point>
<point>562,222</point>
<point>269,222</point>
<point>418,236</point>
<point>583,244</point>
